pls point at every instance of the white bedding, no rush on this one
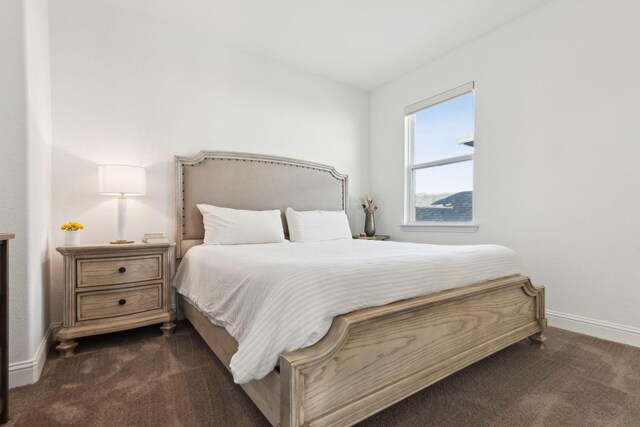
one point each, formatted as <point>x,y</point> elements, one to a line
<point>279,297</point>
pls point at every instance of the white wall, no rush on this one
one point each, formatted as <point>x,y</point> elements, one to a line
<point>38,167</point>
<point>25,135</point>
<point>126,89</point>
<point>13,173</point>
<point>557,156</point>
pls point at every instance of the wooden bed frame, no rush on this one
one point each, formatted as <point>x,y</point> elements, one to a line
<point>374,357</point>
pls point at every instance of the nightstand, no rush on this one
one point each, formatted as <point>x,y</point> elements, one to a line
<point>110,288</point>
<point>376,237</point>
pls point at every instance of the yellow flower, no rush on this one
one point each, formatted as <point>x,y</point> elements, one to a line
<point>72,226</point>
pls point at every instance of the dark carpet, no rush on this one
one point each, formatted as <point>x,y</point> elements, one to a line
<point>139,378</point>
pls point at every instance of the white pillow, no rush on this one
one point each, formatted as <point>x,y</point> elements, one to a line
<point>316,226</point>
<point>224,226</point>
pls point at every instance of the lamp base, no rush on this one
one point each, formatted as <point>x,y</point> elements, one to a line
<point>120,242</point>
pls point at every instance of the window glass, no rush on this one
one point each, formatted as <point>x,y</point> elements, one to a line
<point>441,144</point>
<point>444,130</point>
<point>444,193</point>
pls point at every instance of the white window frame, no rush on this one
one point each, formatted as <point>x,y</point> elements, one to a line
<point>410,223</point>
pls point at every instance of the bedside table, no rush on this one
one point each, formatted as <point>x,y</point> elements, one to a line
<point>376,237</point>
<point>110,288</point>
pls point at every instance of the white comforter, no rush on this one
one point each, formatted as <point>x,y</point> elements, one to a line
<point>279,297</point>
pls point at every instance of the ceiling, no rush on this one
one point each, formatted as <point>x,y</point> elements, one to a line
<point>362,43</point>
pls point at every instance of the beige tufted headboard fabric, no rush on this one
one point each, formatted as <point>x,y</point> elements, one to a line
<point>249,181</point>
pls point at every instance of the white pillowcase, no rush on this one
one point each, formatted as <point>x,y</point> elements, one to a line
<point>224,226</point>
<point>316,226</point>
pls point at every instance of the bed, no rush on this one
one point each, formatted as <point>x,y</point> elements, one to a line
<point>372,357</point>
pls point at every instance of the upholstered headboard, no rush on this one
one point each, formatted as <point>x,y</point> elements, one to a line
<point>249,181</point>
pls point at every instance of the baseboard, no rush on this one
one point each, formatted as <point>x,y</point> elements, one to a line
<point>28,371</point>
<point>597,328</point>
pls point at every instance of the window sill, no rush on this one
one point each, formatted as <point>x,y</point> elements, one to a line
<point>447,227</point>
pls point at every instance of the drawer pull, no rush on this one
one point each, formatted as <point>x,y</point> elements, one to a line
<point>122,301</point>
<point>122,269</point>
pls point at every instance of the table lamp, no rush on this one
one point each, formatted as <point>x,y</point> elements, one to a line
<point>122,181</point>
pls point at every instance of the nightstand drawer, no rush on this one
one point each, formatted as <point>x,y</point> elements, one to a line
<point>104,304</point>
<point>115,271</point>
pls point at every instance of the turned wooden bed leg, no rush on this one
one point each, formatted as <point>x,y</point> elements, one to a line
<point>538,339</point>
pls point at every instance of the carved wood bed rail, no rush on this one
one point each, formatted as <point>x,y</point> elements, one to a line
<point>374,357</point>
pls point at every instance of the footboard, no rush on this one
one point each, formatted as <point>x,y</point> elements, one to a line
<point>375,357</point>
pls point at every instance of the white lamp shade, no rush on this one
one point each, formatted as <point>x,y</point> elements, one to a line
<point>122,179</point>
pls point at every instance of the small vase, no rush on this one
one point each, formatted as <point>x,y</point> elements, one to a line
<point>71,238</point>
<point>369,224</point>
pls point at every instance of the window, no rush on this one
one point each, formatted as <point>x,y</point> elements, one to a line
<point>440,144</point>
